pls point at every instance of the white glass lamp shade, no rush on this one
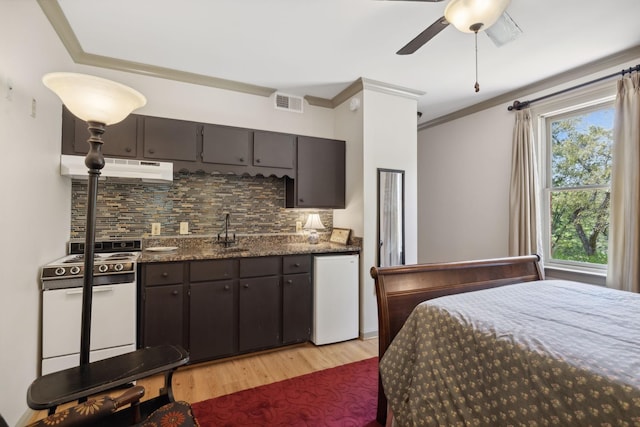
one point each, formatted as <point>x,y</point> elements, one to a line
<point>93,98</point>
<point>463,14</point>
<point>313,223</point>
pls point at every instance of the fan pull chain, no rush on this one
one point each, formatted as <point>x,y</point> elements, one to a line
<point>477,85</point>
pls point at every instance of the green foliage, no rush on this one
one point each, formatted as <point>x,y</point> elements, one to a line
<point>581,156</point>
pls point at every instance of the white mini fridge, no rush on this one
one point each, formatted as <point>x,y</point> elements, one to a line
<point>335,298</point>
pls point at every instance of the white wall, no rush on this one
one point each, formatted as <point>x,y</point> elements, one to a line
<point>390,141</point>
<point>348,127</point>
<point>34,219</point>
<point>35,208</point>
<point>463,181</point>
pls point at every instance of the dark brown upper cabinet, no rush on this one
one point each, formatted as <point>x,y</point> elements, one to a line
<point>168,139</point>
<point>313,168</point>
<point>320,175</point>
<point>120,139</point>
<point>272,149</point>
<point>226,145</point>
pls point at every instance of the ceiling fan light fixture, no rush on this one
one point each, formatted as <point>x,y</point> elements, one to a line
<point>466,15</point>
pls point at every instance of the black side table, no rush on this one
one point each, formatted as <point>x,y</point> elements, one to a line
<point>49,391</point>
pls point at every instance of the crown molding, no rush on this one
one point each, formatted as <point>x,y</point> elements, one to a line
<point>353,89</point>
<point>541,85</point>
<point>58,20</point>
<point>358,86</point>
<point>319,102</point>
<point>390,89</point>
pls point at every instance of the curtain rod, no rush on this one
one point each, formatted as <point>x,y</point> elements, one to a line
<point>517,105</point>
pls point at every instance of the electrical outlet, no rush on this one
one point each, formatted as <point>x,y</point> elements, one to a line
<point>184,227</point>
<point>155,228</point>
<point>298,226</point>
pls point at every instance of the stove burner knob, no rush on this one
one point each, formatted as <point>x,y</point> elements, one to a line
<point>103,268</point>
<point>59,271</point>
<point>118,267</point>
<point>74,270</point>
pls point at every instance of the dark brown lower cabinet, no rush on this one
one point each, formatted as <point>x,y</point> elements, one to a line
<point>163,315</point>
<point>232,306</point>
<point>259,320</point>
<point>212,319</point>
<point>296,308</point>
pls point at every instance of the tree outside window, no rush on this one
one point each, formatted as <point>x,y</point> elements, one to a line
<point>579,184</point>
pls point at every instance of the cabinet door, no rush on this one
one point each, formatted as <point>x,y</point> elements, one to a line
<point>296,308</point>
<point>260,266</point>
<point>320,177</point>
<point>259,302</point>
<point>120,139</point>
<point>226,145</point>
<point>162,322</point>
<point>212,269</point>
<point>163,273</point>
<point>293,264</point>
<point>274,150</point>
<point>213,320</point>
<point>169,139</point>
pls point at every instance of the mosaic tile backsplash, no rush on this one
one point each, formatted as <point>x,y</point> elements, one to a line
<point>126,210</point>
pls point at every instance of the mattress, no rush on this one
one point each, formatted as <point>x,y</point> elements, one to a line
<point>539,353</point>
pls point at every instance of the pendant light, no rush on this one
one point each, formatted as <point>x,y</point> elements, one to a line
<point>465,15</point>
<point>472,16</point>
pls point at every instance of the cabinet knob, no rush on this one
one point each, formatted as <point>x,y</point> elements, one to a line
<point>165,274</point>
<point>289,281</point>
<point>128,149</point>
<point>174,293</point>
<point>301,200</point>
<point>152,151</point>
<point>241,159</point>
<point>297,264</point>
<point>227,287</point>
<point>257,160</point>
<point>246,286</point>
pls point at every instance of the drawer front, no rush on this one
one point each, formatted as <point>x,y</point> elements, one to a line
<point>164,273</point>
<point>296,264</point>
<point>200,271</point>
<point>262,266</point>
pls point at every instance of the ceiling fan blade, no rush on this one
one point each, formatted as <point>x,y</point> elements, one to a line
<point>429,33</point>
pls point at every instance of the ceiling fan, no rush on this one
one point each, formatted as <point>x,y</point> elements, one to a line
<point>469,16</point>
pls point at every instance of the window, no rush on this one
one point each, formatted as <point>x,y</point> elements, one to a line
<point>576,200</point>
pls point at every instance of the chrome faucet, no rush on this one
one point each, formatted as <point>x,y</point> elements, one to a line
<point>226,242</point>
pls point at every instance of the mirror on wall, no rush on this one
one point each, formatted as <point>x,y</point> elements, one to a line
<point>390,217</point>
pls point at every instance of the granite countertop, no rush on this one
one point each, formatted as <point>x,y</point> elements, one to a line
<point>188,249</point>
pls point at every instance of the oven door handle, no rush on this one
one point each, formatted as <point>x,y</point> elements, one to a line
<point>99,289</point>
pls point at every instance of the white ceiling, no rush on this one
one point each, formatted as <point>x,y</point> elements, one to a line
<point>320,47</point>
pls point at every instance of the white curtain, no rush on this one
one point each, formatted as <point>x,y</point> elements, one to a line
<point>524,229</point>
<point>624,227</point>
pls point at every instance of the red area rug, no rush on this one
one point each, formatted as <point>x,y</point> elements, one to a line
<point>342,396</point>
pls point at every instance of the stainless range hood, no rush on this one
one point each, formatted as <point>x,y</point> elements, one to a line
<point>144,170</point>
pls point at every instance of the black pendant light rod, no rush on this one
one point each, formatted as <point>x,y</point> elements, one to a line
<point>517,105</point>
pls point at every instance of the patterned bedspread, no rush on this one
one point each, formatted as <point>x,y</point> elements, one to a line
<point>546,353</point>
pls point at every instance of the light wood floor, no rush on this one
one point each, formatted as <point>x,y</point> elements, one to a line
<point>207,380</point>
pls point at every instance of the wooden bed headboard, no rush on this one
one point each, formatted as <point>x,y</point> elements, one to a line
<point>400,289</point>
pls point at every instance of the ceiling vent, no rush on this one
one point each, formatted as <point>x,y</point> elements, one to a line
<point>288,102</point>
